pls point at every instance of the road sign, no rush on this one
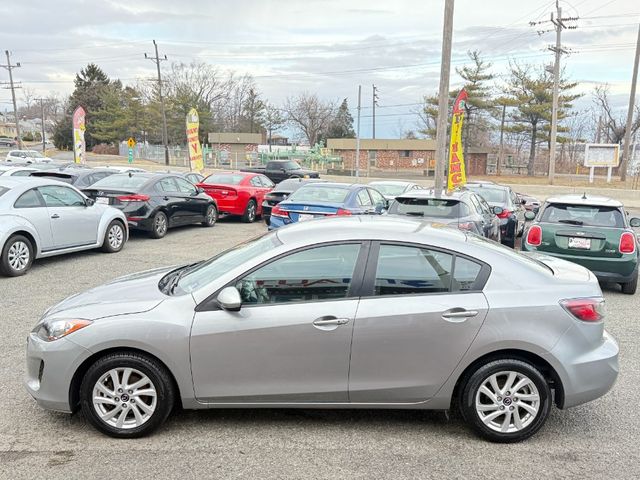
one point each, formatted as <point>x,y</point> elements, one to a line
<point>131,142</point>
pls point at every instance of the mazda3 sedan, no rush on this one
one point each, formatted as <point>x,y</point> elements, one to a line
<point>355,312</point>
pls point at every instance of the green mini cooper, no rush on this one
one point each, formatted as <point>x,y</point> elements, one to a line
<point>591,231</point>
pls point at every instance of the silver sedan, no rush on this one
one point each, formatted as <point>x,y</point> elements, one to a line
<point>340,313</point>
<point>42,217</point>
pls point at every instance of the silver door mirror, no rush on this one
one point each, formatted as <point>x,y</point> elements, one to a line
<point>528,215</point>
<point>635,222</point>
<point>229,299</point>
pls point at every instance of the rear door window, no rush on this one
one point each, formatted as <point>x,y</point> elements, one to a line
<point>167,185</point>
<point>364,200</point>
<point>583,215</point>
<point>29,199</point>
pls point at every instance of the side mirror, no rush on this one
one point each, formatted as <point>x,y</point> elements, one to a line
<point>381,207</point>
<point>497,210</point>
<point>200,189</point>
<point>635,222</point>
<point>523,202</point>
<point>229,299</point>
<point>90,202</point>
<point>530,216</point>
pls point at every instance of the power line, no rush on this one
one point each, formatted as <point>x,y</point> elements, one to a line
<point>13,87</point>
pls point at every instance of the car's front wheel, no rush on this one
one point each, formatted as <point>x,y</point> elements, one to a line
<point>126,395</point>
<point>17,256</point>
<point>506,400</point>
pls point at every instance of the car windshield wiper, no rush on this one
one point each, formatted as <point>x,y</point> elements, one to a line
<point>415,214</point>
<point>572,222</point>
<point>171,286</point>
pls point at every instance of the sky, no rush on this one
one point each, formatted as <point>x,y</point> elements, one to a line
<point>328,47</point>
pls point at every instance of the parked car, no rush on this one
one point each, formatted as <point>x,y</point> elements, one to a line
<point>13,171</point>
<point>320,200</point>
<point>78,177</point>
<point>281,192</point>
<point>512,216</point>
<point>531,204</point>
<point>591,231</point>
<point>193,177</point>
<point>279,170</point>
<point>127,169</point>
<point>392,188</point>
<point>26,156</point>
<point>341,313</point>
<point>40,218</point>
<point>7,142</point>
<point>155,202</point>
<point>238,193</point>
<point>461,209</point>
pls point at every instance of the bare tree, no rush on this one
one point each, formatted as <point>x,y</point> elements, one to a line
<point>309,115</point>
<point>273,120</point>
<point>613,125</point>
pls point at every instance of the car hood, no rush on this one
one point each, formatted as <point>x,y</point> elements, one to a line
<point>130,294</point>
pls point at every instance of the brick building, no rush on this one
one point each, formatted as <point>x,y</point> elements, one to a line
<point>385,154</point>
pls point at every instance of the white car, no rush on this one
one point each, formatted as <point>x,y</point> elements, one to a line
<point>27,156</point>
<point>11,171</point>
<point>126,169</point>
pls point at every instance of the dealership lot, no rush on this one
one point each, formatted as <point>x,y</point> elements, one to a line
<point>596,438</point>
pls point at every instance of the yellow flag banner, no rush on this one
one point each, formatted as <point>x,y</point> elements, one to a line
<point>195,152</point>
<point>457,175</point>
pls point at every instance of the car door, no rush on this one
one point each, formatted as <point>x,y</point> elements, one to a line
<point>174,202</point>
<point>30,206</point>
<point>491,218</point>
<point>421,310</point>
<point>73,223</point>
<point>195,206</point>
<point>291,339</point>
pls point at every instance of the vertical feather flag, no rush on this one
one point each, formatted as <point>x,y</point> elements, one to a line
<point>457,176</point>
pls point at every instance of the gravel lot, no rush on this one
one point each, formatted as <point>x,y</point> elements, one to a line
<point>597,440</point>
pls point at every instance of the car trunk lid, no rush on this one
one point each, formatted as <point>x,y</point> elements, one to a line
<point>585,241</point>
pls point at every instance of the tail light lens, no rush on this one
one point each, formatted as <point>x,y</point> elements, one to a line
<point>504,214</point>
<point>279,212</point>
<point>534,236</point>
<point>627,243</point>
<point>585,309</point>
<point>133,198</point>
<point>466,226</point>
<point>342,211</point>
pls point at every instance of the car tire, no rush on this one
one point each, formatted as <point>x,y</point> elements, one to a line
<point>630,288</point>
<point>250,212</point>
<point>159,225</point>
<point>211,217</point>
<point>104,404</point>
<point>487,387</point>
<point>17,256</point>
<point>114,237</point>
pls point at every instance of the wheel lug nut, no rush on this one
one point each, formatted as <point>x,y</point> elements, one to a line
<point>119,390</point>
<point>499,399</point>
<point>511,407</point>
<point>124,405</point>
<point>508,393</point>
<point>130,392</point>
<point>501,407</point>
<point>133,401</point>
<point>117,399</point>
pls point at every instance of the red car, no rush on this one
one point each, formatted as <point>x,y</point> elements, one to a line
<point>238,193</point>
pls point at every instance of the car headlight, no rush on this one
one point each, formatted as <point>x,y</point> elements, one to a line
<point>56,328</point>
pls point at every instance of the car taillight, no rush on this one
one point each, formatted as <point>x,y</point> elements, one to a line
<point>279,212</point>
<point>627,243</point>
<point>585,309</point>
<point>133,198</point>
<point>467,226</point>
<point>504,214</point>
<point>534,236</point>
<point>342,211</point>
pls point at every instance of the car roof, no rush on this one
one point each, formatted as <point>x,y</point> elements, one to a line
<point>348,186</point>
<point>429,193</point>
<point>12,182</point>
<point>488,185</point>
<point>391,182</point>
<point>595,200</point>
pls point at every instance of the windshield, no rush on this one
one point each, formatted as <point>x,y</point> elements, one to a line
<point>491,195</point>
<point>224,179</point>
<point>429,207</point>
<point>226,261</point>
<point>389,190</point>
<point>587,215</point>
<point>310,193</point>
<point>121,181</point>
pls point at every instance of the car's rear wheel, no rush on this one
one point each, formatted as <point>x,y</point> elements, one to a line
<point>506,400</point>
<point>211,217</point>
<point>114,238</point>
<point>159,225</point>
<point>17,256</point>
<point>630,287</point>
<point>126,395</point>
<point>250,212</point>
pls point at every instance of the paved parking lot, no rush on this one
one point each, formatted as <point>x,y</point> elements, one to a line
<point>598,440</point>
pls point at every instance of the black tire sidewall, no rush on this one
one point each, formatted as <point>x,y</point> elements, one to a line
<point>4,261</point>
<point>106,246</point>
<point>156,373</point>
<point>630,288</point>
<point>477,378</point>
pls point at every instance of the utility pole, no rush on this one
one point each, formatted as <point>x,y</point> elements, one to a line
<point>504,110</point>
<point>443,98</point>
<point>373,106</point>
<point>13,87</point>
<point>599,131</point>
<point>358,134</point>
<point>42,123</point>
<point>632,98</point>
<point>156,59</point>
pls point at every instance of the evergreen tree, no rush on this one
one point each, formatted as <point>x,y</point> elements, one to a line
<point>342,124</point>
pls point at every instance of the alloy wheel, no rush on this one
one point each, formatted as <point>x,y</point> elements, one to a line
<point>124,398</point>
<point>251,212</point>
<point>115,236</point>
<point>19,255</point>
<point>211,215</point>
<point>161,225</point>
<point>507,401</point>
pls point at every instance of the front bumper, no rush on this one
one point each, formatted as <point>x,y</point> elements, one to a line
<point>50,369</point>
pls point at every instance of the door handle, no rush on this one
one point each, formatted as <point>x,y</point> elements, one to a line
<point>459,314</point>
<point>55,215</point>
<point>329,321</point>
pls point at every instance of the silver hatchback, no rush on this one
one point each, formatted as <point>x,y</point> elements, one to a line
<point>340,313</point>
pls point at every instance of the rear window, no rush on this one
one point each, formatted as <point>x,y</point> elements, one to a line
<point>587,215</point>
<point>55,176</point>
<point>3,190</point>
<point>121,181</point>
<point>491,195</point>
<point>389,189</point>
<point>224,179</point>
<point>310,193</point>
<point>429,207</point>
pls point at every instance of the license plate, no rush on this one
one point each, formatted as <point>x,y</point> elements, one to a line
<point>582,243</point>
<point>103,200</point>
<point>303,217</point>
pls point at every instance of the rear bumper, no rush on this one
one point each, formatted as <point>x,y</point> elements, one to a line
<point>230,206</point>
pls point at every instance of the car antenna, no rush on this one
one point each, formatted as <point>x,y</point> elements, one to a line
<point>584,196</point>
<point>130,174</point>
